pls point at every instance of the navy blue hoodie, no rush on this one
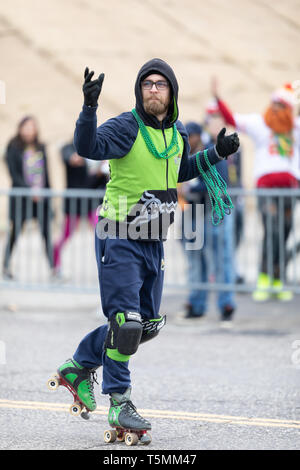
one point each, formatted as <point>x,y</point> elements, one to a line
<point>115,138</point>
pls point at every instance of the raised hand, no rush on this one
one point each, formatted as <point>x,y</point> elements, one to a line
<point>91,88</point>
<point>227,145</point>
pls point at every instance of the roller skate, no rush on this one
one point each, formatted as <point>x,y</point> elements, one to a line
<point>80,382</point>
<point>126,422</point>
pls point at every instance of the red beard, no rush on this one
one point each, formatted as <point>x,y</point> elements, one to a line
<point>155,107</point>
<point>280,121</point>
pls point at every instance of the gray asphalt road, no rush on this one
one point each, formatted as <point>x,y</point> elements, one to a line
<point>202,387</point>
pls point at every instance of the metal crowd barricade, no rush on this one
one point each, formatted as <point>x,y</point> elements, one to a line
<point>247,254</point>
<point>30,261</point>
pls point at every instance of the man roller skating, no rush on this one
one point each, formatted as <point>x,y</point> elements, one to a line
<point>148,153</point>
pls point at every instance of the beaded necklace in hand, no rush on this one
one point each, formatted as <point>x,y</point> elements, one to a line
<point>217,190</point>
<point>149,143</point>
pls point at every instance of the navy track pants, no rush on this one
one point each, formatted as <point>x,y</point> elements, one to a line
<point>131,279</point>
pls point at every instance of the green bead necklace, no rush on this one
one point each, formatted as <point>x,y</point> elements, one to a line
<point>149,143</point>
<point>217,190</point>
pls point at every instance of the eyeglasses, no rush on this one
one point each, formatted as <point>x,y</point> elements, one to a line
<point>159,85</point>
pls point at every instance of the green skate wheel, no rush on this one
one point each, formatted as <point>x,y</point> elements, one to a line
<point>131,439</point>
<point>110,435</point>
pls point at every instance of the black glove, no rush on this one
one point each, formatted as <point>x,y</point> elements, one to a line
<point>226,145</point>
<point>91,89</point>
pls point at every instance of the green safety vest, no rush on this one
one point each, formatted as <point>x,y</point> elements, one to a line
<point>141,187</point>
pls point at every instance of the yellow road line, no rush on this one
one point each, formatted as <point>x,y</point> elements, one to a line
<point>162,414</point>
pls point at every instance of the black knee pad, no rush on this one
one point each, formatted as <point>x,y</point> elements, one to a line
<point>151,328</point>
<point>124,334</point>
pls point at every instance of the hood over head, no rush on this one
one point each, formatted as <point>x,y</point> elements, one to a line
<point>161,67</point>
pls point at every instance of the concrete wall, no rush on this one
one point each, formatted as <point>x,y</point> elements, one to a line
<point>251,46</point>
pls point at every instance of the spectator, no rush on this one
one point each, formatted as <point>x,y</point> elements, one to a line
<point>194,131</point>
<point>80,175</point>
<point>276,135</point>
<point>232,174</point>
<point>217,252</point>
<point>27,164</point>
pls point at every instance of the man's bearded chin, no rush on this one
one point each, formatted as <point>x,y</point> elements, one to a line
<point>155,107</point>
<point>280,121</point>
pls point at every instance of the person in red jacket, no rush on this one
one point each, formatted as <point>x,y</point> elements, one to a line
<point>276,136</point>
